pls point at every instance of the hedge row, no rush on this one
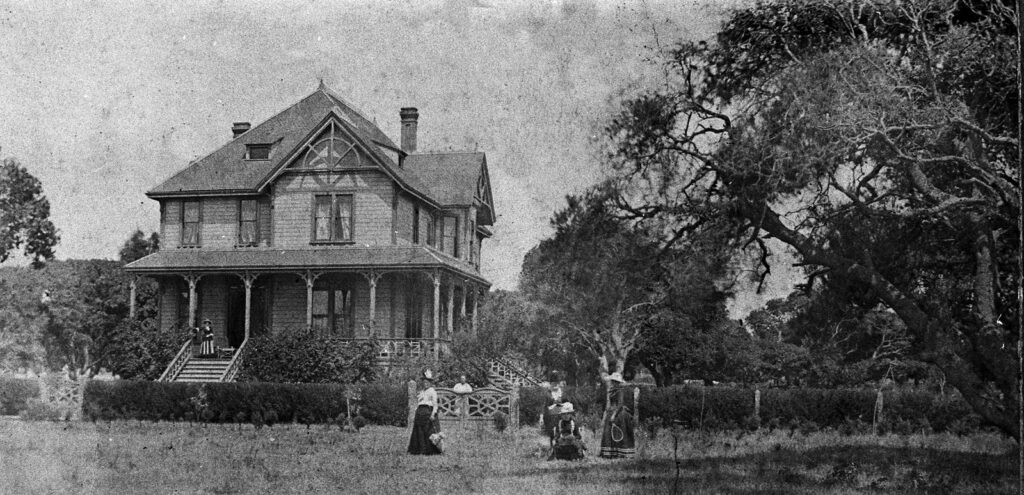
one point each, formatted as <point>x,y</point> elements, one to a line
<point>240,402</point>
<point>730,408</point>
<point>15,393</point>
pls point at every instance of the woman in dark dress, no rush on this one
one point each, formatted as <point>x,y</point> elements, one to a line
<point>207,347</point>
<point>425,421</point>
<point>618,439</point>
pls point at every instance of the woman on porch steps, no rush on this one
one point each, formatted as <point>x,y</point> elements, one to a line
<point>425,421</point>
<point>207,349</point>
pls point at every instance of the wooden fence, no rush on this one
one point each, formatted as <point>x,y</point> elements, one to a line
<point>480,405</point>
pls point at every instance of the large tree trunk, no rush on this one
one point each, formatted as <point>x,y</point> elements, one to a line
<point>996,406</point>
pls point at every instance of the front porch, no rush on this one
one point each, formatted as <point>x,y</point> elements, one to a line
<point>412,311</point>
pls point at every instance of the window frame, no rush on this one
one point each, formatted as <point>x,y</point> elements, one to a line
<point>452,251</point>
<point>250,147</point>
<point>333,239</point>
<point>415,224</point>
<point>199,223</point>
<point>346,316</point>
<point>255,223</point>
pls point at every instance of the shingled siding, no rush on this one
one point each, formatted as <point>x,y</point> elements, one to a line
<point>220,223</point>
<point>404,217</point>
<point>293,206</point>
<point>171,227</point>
<point>289,302</point>
<point>213,297</point>
<point>168,309</point>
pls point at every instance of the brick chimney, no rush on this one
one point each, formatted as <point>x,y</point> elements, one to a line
<point>409,118</point>
<point>239,128</point>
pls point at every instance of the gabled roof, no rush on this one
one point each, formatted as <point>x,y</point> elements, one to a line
<point>226,171</point>
<point>397,258</point>
<point>454,178</point>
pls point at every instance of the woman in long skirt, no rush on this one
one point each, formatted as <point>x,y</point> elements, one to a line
<point>425,422</point>
<point>207,348</point>
<point>618,439</point>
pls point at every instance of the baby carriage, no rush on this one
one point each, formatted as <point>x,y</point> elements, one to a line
<point>567,444</point>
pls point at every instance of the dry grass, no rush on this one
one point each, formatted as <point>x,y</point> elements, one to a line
<point>133,457</point>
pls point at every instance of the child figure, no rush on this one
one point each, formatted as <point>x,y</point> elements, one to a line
<point>568,442</point>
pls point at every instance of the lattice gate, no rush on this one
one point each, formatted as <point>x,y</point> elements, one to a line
<point>479,405</point>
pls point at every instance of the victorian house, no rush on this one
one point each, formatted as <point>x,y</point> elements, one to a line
<point>316,220</point>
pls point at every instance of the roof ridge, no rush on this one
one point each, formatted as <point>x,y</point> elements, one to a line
<point>330,93</point>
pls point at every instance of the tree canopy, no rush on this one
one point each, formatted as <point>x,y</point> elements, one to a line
<point>24,215</point>
<point>875,139</point>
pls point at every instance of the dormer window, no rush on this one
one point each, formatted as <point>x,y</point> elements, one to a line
<point>257,152</point>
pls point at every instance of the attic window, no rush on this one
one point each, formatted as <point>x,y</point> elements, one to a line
<point>257,152</point>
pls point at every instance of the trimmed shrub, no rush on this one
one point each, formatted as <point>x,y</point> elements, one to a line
<point>304,357</point>
<point>385,404</point>
<point>15,394</point>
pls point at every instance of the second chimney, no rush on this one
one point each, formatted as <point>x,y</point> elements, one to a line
<point>409,118</point>
<point>239,128</point>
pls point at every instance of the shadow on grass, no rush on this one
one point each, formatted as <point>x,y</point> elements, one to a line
<point>840,469</point>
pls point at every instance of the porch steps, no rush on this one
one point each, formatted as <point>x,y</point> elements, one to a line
<point>203,370</point>
<point>503,374</point>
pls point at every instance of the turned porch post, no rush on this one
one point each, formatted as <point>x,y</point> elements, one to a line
<point>248,279</point>
<point>131,296</point>
<point>476,301</point>
<point>310,277</point>
<point>451,309</point>
<point>462,305</point>
<point>372,277</point>
<point>436,276</point>
<point>192,281</point>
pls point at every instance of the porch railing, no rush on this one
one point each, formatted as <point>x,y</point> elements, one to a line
<point>402,348</point>
<point>510,372</point>
<point>236,363</point>
<point>179,362</point>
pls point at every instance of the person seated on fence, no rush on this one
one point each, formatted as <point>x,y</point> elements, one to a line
<point>462,387</point>
<point>568,442</point>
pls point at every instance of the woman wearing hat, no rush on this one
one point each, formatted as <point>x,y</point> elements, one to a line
<point>617,439</point>
<point>567,443</point>
<point>425,421</point>
<point>207,348</point>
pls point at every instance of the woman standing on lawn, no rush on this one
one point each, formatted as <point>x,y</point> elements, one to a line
<point>425,422</point>
<point>617,440</point>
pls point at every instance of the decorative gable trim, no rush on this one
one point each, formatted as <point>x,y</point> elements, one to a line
<point>483,191</point>
<point>337,118</point>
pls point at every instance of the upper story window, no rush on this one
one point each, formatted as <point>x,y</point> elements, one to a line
<point>451,236</point>
<point>415,224</point>
<point>332,152</point>
<point>257,152</point>
<point>332,218</point>
<point>248,233</point>
<point>431,231</point>
<point>191,219</point>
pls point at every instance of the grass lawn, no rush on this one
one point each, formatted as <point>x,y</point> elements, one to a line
<point>134,457</point>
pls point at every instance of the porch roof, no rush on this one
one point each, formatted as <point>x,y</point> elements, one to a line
<point>265,260</point>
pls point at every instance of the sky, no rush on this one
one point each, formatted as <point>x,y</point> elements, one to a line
<point>103,101</point>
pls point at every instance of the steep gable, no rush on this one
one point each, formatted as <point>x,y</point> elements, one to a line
<point>228,171</point>
<point>456,179</point>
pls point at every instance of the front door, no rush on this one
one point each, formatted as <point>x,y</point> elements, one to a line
<point>236,314</point>
<point>235,317</point>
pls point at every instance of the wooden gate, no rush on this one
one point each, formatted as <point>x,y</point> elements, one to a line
<point>479,405</point>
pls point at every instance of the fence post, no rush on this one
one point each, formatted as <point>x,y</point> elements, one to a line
<point>412,402</point>
<point>878,413</point>
<point>636,405</point>
<point>757,406</point>
<point>514,406</point>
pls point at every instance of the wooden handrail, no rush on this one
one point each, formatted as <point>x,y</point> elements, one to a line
<point>178,363</point>
<point>236,362</point>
